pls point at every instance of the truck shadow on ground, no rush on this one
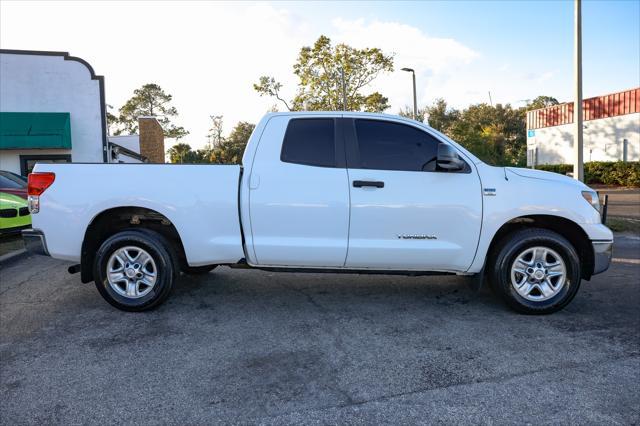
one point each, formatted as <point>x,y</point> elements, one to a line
<point>328,292</point>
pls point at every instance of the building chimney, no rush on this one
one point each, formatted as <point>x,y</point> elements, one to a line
<point>151,139</point>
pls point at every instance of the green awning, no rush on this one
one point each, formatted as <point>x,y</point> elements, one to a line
<point>35,130</point>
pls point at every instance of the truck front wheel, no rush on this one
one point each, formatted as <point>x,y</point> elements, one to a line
<point>135,270</point>
<point>536,271</point>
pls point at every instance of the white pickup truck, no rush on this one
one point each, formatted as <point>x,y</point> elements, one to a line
<point>323,192</point>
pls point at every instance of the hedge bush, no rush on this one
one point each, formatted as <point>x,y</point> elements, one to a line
<point>604,172</point>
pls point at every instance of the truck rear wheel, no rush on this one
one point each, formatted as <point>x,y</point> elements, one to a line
<point>536,271</point>
<point>135,270</point>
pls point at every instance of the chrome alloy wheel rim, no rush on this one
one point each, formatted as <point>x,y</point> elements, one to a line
<point>131,272</point>
<point>538,273</point>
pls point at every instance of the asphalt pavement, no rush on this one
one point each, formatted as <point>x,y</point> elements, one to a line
<point>254,347</point>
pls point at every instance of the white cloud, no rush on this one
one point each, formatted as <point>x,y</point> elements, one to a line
<point>206,54</point>
<point>407,43</point>
<point>435,60</point>
<point>209,54</point>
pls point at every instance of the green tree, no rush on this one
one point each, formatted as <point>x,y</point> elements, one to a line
<point>407,111</point>
<point>441,117</point>
<point>241,133</point>
<point>199,156</point>
<point>231,149</point>
<point>152,101</point>
<point>113,124</point>
<point>323,70</point>
<point>375,102</point>
<point>214,136</point>
<point>496,134</point>
<point>268,86</point>
<point>179,153</point>
<point>541,102</point>
<point>225,150</point>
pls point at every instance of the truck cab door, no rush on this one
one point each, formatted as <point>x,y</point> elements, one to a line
<point>405,213</point>
<point>299,194</point>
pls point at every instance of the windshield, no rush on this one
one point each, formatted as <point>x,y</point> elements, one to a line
<point>10,180</point>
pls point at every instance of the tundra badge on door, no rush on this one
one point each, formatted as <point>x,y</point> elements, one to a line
<point>416,237</point>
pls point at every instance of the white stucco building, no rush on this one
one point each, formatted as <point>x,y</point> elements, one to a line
<point>52,109</point>
<point>611,130</point>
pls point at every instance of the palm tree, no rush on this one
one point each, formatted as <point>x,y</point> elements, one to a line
<point>178,152</point>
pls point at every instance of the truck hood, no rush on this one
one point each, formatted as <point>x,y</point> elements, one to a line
<point>540,174</point>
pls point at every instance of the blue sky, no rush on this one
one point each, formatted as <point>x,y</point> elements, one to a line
<point>522,33</point>
<point>208,54</point>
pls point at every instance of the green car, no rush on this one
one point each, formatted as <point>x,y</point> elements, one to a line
<point>14,214</point>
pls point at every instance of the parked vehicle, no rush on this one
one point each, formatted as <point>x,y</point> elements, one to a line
<point>323,192</point>
<point>14,214</point>
<point>12,183</point>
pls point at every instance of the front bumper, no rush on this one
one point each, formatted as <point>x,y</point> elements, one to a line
<point>35,242</point>
<point>602,253</point>
<point>12,231</point>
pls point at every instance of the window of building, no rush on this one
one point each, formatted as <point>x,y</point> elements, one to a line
<point>28,162</point>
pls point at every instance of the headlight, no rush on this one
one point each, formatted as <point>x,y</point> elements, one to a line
<point>592,198</point>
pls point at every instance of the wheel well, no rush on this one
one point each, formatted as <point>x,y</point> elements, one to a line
<point>112,221</point>
<point>565,227</point>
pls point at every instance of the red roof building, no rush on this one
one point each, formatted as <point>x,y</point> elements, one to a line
<point>611,132</point>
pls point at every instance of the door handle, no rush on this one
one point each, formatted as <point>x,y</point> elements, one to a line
<point>374,183</point>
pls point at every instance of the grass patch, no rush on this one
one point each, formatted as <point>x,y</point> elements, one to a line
<point>623,224</point>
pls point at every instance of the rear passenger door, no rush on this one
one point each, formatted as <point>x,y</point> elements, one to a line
<point>299,193</point>
<point>405,213</point>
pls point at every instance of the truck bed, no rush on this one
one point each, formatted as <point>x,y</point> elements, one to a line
<point>201,201</point>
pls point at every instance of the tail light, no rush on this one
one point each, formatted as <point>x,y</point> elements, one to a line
<point>39,182</point>
<point>36,185</point>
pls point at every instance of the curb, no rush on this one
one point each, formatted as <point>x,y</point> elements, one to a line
<point>14,255</point>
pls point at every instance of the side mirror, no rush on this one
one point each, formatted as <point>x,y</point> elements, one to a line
<point>448,158</point>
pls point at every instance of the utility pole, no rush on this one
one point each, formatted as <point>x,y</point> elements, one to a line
<point>415,100</point>
<point>578,166</point>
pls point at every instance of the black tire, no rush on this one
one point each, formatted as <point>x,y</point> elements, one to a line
<point>198,270</point>
<point>508,251</point>
<point>166,269</point>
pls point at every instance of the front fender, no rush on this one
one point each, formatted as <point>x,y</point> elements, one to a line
<point>518,196</point>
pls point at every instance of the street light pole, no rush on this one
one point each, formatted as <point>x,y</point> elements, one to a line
<point>415,100</point>
<point>578,166</point>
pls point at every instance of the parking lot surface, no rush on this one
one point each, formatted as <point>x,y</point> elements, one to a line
<point>245,346</point>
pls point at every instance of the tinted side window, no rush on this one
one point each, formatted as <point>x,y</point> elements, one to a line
<point>310,141</point>
<point>385,145</point>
